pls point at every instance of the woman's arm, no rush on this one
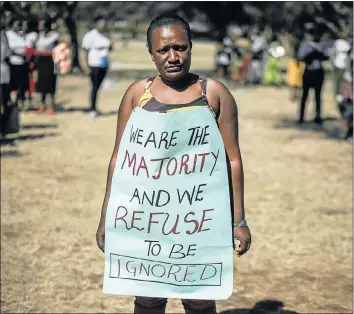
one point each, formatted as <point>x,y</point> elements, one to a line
<point>228,125</point>
<point>125,109</point>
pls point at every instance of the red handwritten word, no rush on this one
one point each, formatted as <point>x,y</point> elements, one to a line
<point>146,221</point>
<point>185,164</point>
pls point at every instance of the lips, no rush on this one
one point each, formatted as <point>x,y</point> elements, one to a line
<point>175,68</point>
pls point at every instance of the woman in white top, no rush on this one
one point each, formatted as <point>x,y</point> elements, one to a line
<point>18,66</point>
<point>47,76</point>
<point>339,59</point>
<point>97,45</point>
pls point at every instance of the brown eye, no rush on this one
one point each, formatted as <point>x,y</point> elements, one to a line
<point>163,50</point>
<point>181,48</point>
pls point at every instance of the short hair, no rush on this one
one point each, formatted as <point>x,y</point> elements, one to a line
<point>32,24</point>
<point>98,18</point>
<point>167,20</point>
<point>48,24</point>
<point>14,19</point>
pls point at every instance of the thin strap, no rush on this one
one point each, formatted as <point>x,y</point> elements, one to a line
<point>203,82</point>
<point>148,83</point>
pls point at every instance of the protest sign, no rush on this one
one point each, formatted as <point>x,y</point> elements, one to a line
<point>168,221</point>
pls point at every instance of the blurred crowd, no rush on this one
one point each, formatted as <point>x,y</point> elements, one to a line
<point>255,57</point>
<point>33,54</point>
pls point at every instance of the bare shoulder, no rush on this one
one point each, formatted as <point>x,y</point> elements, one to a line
<point>218,94</point>
<point>134,92</point>
<point>217,87</point>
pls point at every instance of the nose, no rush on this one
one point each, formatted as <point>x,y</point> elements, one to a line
<point>172,56</point>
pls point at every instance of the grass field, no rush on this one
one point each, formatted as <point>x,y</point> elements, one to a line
<point>298,196</point>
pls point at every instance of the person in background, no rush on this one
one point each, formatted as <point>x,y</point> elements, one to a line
<point>339,58</point>
<point>47,75</point>
<point>4,80</point>
<point>41,24</point>
<point>228,46</point>
<point>243,47</point>
<point>19,80</point>
<point>223,62</point>
<point>242,44</point>
<point>295,68</point>
<point>30,31</point>
<point>272,70</point>
<point>344,97</point>
<point>258,56</point>
<point>97,45</point>
<point>313,53</point>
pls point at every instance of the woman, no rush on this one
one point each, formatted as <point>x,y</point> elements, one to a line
<point>295,68</point>
<point>313,53</point>
<point>258,57</point>
<point>30,32</point>
<point>47,74</point>
<point>97,45</point>
<point>19,81</point>
<point>272,70</point>
<point>243,46</point>
<point>223,62</point>
<point>174,97</point>
<point>339,57</point>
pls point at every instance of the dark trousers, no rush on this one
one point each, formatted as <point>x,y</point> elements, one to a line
<point>19,79</point>
<point>97,75</point>
<point>312,79</point>
<point>145,305</point>
<point>4,99</point>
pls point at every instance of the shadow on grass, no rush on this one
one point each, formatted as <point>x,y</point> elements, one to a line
<point>10,153</point>
<point>263,307</point>
<point>26,137</point>
<point>331,127</point>
<point>84,110</point>
<point>39,126</point>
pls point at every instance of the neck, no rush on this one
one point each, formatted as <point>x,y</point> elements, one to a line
<point>179,84</point>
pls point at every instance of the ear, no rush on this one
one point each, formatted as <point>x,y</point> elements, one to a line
<point>190,43</point>
<point>152,57</point>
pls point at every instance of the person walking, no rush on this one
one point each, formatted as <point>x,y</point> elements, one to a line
<point>97,45</point>
<point>313,53</point>
<point>47,73</point>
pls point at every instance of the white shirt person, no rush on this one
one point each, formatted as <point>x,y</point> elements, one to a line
<point>97,45</point>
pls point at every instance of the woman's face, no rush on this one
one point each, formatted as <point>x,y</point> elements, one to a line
<point>101,25</point>
<point>171,52</point>
<point>16,25</point>
<point>41,25</point>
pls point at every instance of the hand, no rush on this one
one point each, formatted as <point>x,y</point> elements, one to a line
<point>100,236</point>
<point>242,240</point>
